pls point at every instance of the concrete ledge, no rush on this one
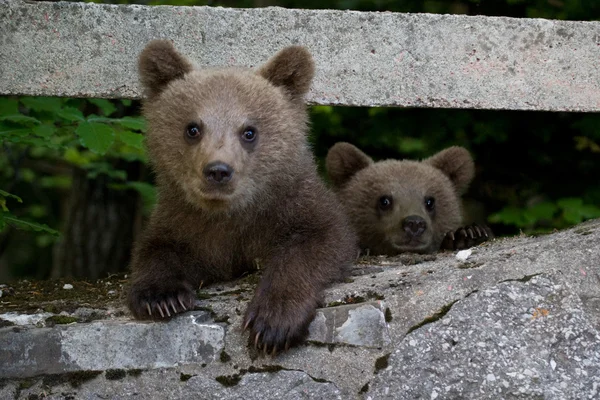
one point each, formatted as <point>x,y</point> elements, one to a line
<point>519,318</point>
<point>363,58</point>
<point>104,345</point>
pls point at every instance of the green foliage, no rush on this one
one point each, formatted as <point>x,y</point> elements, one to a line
<point>96,136</point>
<point>7,219</point>
<point>5,195</point>
<point>546,215</point>
<point>70,133</point>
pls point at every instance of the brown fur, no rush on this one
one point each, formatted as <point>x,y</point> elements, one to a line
<point>159,64</point>
<point>275,208</point>
<point>360,184</point>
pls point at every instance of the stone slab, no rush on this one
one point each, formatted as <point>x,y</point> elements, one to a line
<point>102,345</point>
<point>514,340</point>
<point>518,318</point>
<point>355,324</point>
<point>363,58</point>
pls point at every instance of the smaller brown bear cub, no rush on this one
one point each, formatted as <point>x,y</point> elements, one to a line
<point>405,206</point>
<point>236,182</point>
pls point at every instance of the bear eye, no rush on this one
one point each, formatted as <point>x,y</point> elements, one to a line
<point>385,202</point>
<point>249,134</point>
<point>429,203</point>
<point>193,131</point>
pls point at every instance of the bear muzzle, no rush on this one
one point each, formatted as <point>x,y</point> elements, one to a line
<point>414,226</point>
<point>218,173</point>
<point>412,235</point>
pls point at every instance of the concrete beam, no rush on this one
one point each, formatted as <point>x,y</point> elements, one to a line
<point>363,58</point>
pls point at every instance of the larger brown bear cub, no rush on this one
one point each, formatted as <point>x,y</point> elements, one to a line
<point>237,182</point>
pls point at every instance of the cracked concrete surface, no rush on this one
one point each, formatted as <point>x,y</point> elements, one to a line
<point>518,319</point>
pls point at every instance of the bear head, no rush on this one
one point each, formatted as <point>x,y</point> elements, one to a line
<point>220,137</point>
<point>400,206</point>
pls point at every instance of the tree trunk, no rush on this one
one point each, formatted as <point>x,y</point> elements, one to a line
<point>100,225</point>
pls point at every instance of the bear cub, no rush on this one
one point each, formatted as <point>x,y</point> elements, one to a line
<point>405,206</point>
<point>236,183</point>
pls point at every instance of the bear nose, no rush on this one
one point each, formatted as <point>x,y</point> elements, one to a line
<point>218,172</point>
<point>414,225</point>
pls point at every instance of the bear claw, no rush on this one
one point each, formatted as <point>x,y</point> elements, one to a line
<point>275,335</point>
<point>465,237</point>
<point>157,303</point>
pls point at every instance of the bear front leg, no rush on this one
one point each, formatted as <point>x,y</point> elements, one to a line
<point>466,237</point>
<point>290,290</point>
<point>158,287</point>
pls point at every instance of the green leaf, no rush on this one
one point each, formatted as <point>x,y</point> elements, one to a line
<point>35,141</point>
<point>544,210</point>
<point>570,202</point>
<point>5,195</point>
<point>96,136</point>
<point>20,119</point>
<point>8,132</point>
<point>97,168</point>
<point>8,106</point>
<point>10,195</point>
<point>509,216</point>
<point>56,181</point>
<point>44,130</point>
<point>574,211</point>
<point>132,139</point>
<point>589,211</point>
<point>410,145</point>
<point>572,216</point>
<point>131,154</point>
<point>106,106</point>
<point>79,158</point>
<point>17,223</point>
<point>71,114</point>
<point>135,123</point>
<point>51,104</point>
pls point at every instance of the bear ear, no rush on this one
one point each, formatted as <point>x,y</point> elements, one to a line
<point>158,64</point>
<point>292,69</point>
<point>344,161</point>
<point>456,163</point>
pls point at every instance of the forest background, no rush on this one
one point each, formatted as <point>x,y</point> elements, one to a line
<point>75,187</point>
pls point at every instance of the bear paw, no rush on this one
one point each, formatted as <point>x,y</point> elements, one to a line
<point>278,324</point>
<point>153,301</point>
<point>466,236</point>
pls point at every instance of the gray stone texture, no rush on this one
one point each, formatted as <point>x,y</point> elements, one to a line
<point>514,340</point>
<point>169,385</point>
<point>519,318</point>
<point>29,351</point>
<point>357,324</point>
<point>363,58</point>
